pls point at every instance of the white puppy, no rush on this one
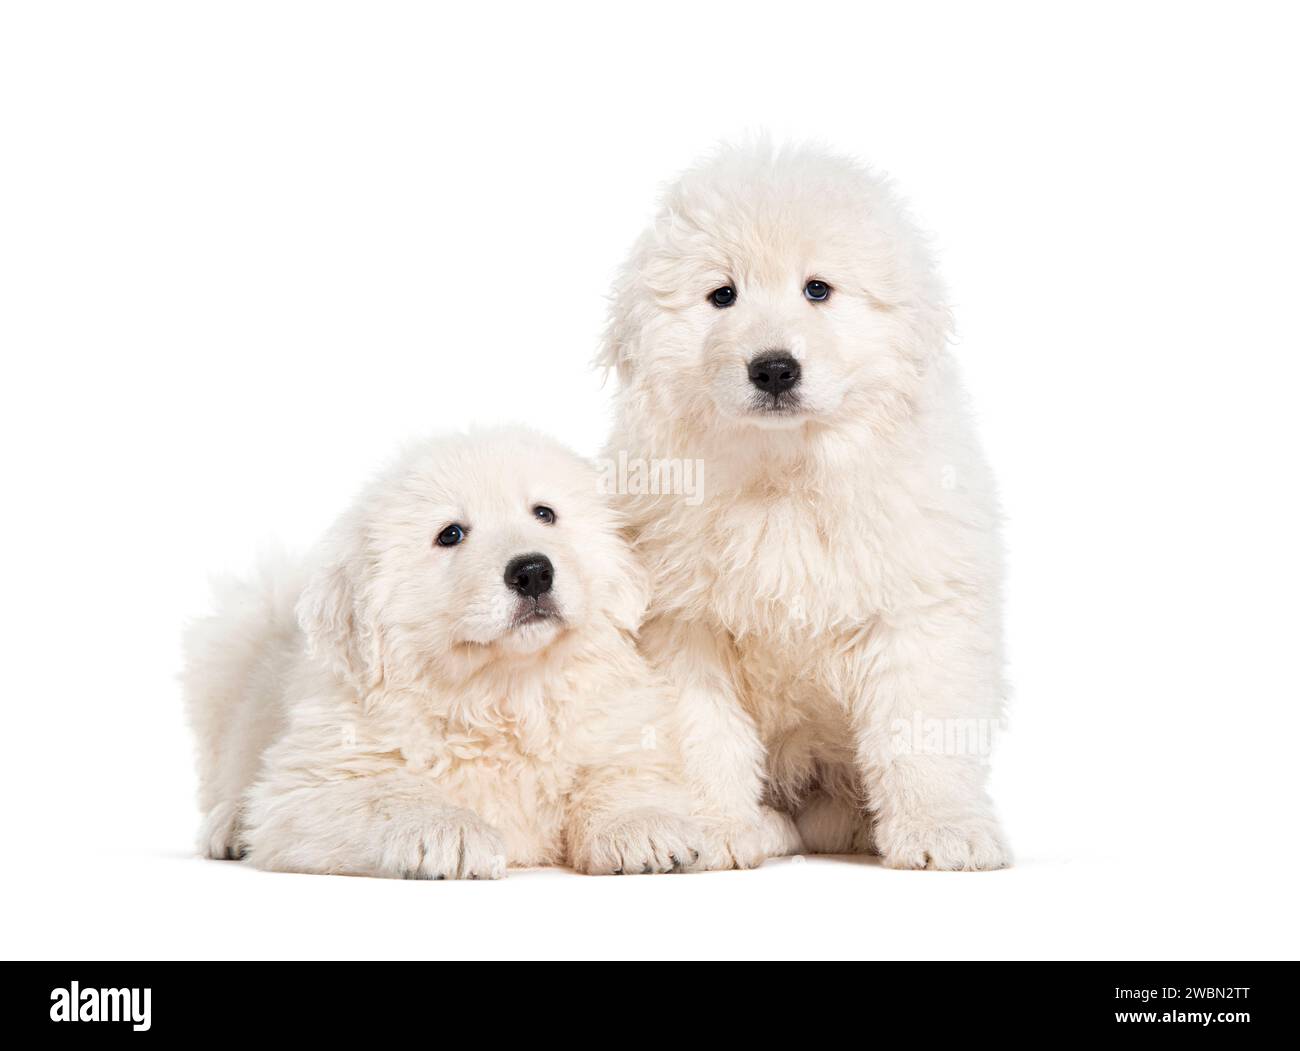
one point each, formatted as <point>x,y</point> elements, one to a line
<point>455,689</point>
<point>830,608</point>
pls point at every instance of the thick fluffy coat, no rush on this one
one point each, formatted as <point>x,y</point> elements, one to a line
<point>830,609</point>
<point>400,708</point>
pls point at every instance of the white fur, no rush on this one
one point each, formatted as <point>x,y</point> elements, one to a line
<point>841,575</point>
<point>377,714</point>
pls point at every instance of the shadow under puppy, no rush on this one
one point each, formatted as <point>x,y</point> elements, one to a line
<point>452,688</point>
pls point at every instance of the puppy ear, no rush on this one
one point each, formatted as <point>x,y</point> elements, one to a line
<point>627,316</point>
<point>627,587</point>
<point>335,614</point>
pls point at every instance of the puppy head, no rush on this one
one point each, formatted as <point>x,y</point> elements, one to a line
<point>490,545</point>
<point>776,289</point>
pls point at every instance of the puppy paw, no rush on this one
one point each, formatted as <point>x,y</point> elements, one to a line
<point>968,845</point>
<point>637,842</point>
<point>219,836</point>
<point>747,844</point>
<point>454,845</point>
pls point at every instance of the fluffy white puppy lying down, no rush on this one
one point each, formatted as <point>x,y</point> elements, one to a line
<point>829,608</point>
<point>452,686</point>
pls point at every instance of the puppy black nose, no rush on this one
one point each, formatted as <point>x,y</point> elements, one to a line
<point>774,372</point>
<point>530,575</point>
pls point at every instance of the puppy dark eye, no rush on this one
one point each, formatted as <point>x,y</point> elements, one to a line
<point>451,536</point>
<point>817,290</point>
<point>544,514</point>
<point>722,297</point>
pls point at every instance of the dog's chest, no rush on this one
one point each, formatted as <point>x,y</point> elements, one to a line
<point>793,580</point>
<point>783,566</point>
<point>506,757</point>
<point>798,690</point>
<point>522,797</point>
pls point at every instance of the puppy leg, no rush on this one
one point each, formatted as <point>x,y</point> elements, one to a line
<point>391,824</point>
<point>629,812</point>
<point>621,829</point>
<point>723,757</point>
<point>928,689</point>
<point>219,833</point>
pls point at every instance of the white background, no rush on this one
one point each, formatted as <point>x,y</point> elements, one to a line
<point>246,248</point>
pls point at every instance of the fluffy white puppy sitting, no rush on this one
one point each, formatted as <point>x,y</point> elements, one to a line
<point>455,689</point>
<point>830,608</point>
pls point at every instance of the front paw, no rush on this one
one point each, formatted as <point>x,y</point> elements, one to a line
<point>219,836</point>
<point>453,845</point>
<point>746,844</point>
<point>636,842</point>
<point>967,844</point>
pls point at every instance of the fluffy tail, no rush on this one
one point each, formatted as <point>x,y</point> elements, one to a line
<point>234,660</point>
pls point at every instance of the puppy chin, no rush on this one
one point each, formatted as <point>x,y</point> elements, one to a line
<point>526,631</point>
<point>532,636</point>
<point>747,412</point>
<point>766,416</point>
<point>776,419</point>
<point>534,625</point>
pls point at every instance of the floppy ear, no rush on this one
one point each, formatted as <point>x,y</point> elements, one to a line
<point>627,587</point>
<point>627,316</point>
<point>622,334</point>
<point>336,615</point>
